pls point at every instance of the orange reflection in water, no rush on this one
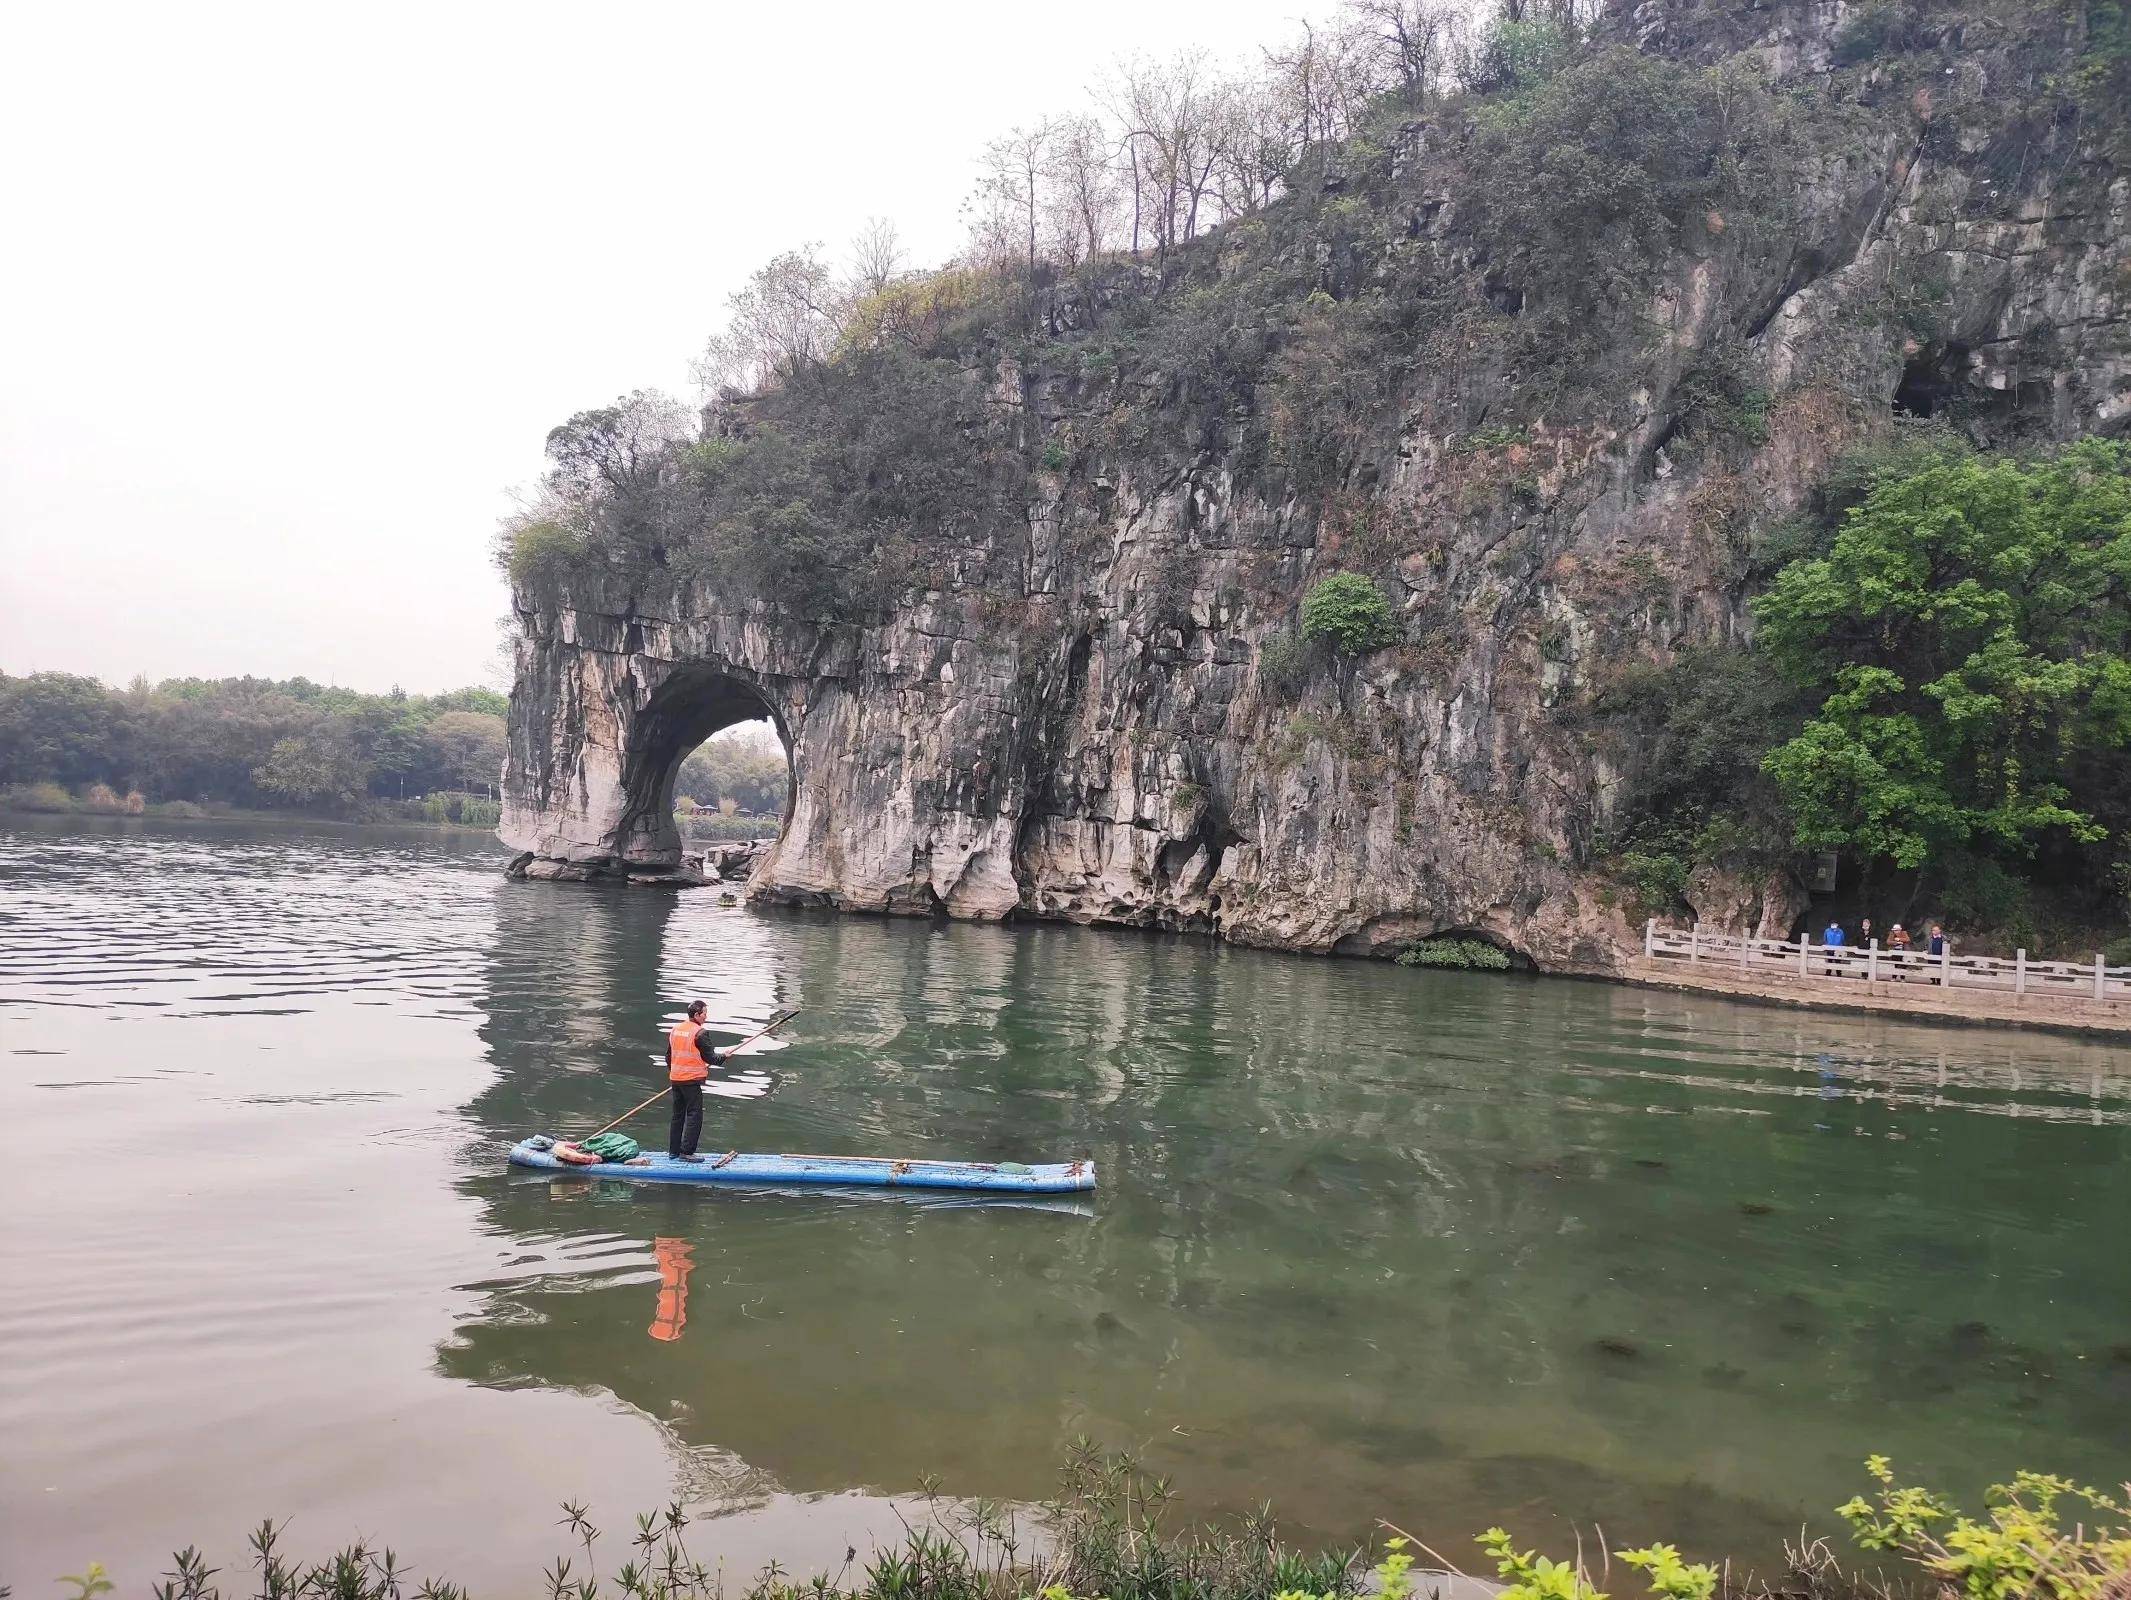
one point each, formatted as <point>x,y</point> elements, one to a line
<point>677,1259</point>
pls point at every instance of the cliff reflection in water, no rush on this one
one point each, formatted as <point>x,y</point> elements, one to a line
<point>1370,1241</point>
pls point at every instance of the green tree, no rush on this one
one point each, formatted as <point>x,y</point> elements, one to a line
<point>59,728</point>
<point>468,746</point>
<point>312,769</point>
<point>1350,612</point>
<point>1966,635</point>
<point>747,767</point>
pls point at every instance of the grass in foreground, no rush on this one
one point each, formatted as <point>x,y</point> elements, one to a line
<point>1108,1536</point>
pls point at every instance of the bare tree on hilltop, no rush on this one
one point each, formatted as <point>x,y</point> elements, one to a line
<point>1171,148</point>
<point>785,319</point>
<point>876,258</point>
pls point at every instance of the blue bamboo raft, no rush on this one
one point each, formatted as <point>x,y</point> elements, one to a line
<point>1006,1177</point>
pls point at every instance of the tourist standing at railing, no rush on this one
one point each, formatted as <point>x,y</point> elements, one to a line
<point>1899,945</point>
<point>1864,934</point>
<point>1832,938</point>
<point>1938,945</point>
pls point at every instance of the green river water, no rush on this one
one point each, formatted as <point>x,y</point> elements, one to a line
<point>1371,1242</point>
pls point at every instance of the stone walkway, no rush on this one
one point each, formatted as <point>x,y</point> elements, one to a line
<point>1925,1001</point>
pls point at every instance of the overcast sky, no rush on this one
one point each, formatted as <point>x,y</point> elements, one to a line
<point>291,294</point>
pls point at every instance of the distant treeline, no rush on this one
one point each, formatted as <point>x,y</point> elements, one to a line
<point>249,742</point>
<point>742,771</point>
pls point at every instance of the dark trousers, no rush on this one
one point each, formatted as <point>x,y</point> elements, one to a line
<point>687,1125</point>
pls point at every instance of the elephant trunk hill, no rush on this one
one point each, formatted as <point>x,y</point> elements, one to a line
<point>1549,367</point>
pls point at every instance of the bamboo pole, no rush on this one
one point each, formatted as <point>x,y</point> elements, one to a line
<point>773,1024</point>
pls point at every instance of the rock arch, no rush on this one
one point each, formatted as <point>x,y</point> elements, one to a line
<point>893,804</point>
<point>606,706</point>
<point>688,705</point>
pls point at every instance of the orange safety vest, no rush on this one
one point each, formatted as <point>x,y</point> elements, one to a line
<point>684,1062</point>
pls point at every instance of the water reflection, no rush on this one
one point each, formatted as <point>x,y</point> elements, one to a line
<point>1455,1249</point>
<point>1369,1239</point>
<point>676,1259</point>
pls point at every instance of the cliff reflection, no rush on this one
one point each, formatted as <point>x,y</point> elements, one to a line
<point>1368,1239</point>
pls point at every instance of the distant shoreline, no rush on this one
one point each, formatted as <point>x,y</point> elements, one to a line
<point>236,814</point>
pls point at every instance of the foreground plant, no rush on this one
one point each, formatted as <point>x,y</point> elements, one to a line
<point>1112,1538</point>
<point>2020,1547</point>
<point>1527,1575</point>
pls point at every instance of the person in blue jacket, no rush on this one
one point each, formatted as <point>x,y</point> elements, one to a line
<point>1833,940</point>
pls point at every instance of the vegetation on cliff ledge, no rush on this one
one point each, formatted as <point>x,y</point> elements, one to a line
<point>1229,265</point>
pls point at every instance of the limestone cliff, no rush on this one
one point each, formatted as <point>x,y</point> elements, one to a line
<point>1091,708</point>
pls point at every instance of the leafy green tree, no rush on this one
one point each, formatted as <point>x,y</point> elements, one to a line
<point>1966,635</point>
<point>746,767</point>
<point>312,769</point>
<point>1350,612</point>
<point>468,746</point>
<point>59,728</point>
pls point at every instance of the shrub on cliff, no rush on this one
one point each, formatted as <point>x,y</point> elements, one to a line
<point>1350,613</point>
<point>1695,793</point>
<point>1284,664</point>
<point>1585,182</point>
<point>1332,383</point>
<point>539,554</point>
<point>831,480</point>
<point>1465,955</point>
<point>1516,53</point>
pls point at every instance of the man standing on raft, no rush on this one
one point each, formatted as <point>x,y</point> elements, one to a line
<point>689,1058</point>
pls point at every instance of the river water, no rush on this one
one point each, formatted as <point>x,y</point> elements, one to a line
<point>1371,1242</point>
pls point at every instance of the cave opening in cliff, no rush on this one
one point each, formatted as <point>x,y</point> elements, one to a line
<point>1931,379</point>
<point>710,765</point>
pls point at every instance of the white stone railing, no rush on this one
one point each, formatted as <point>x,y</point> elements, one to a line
<point>1803,959</point>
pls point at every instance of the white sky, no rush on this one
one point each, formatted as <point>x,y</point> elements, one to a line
<point>290,294</point>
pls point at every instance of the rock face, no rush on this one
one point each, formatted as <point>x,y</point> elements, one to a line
<point>1099,715</point>
<point>735,862</point>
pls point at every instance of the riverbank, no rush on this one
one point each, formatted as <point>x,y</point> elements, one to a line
<point>2050,1006</point>
<point>185,811</point>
